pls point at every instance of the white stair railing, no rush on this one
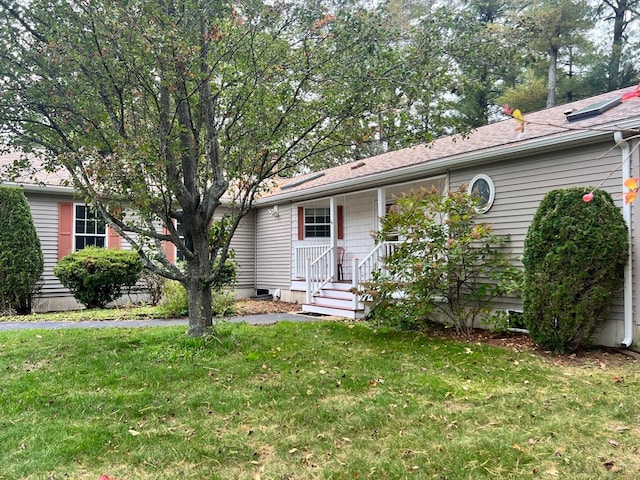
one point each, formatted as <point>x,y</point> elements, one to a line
<point>318,272</point>
<point>363,270</point>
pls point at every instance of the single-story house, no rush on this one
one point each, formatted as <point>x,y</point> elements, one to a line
<point>65,224</point>
<point>309,239</point>
<point>328,216</point>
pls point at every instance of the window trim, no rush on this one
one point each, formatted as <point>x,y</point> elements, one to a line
<point>492,191</point>
<point>76,235</point>
<point>327,224</point>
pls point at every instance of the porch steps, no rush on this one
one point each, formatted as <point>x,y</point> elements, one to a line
<point>335,299</point>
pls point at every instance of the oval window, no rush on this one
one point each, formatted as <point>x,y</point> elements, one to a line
<point>482,187</point>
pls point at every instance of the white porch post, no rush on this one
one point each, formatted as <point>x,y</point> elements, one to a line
<point>382,206</point>
<point>333,207</point>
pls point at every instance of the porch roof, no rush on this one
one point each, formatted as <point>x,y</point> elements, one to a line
<point>546,129</point>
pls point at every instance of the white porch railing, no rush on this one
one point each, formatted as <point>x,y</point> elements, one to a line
<point>363,270</point>
<point>302,253</point>
<point>318,272</point>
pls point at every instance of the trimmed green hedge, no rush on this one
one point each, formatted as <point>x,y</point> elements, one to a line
<point>96,276</point>
<point>574,258</point>
<point>21,260</point>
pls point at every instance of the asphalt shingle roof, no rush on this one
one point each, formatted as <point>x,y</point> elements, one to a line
<point>497,138</point>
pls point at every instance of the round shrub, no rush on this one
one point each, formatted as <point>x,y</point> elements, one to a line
<point>21,260</point>
<point>574,257</point>
<point>95,276</point>
<point>174,302</point>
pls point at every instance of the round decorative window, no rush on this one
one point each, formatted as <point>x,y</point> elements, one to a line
<point>482,187</point>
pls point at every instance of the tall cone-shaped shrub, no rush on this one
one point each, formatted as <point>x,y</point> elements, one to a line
<point>21,260</point>
<point>574,258</point>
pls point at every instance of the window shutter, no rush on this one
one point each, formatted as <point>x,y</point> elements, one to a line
<point>114,240</point>
<point>65,229</point>
<point>300,223</point>
<point>169,249</point>
<point>340,222</point>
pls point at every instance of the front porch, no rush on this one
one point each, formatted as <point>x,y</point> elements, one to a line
<point>332,285</point>
<point>333,251</point>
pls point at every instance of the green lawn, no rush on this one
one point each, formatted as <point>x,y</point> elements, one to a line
<point>306,401</point>
<point>133,312</point>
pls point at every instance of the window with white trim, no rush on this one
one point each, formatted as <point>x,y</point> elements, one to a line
<point>317,222</point>
<point>89,228</point>
<point>482,187</point>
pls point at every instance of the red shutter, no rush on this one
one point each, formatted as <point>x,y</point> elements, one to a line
<point>169,249</point>
<point>300,223</point>
<point>65,229</point>
<point>340,223</point>
<point>113,239</point>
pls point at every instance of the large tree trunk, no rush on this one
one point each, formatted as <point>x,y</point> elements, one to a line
<point>616,46</point>
<point>198,288</point>
<point>200,315</point>
<point>553,76</point>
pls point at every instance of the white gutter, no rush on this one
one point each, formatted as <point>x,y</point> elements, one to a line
<point>628,272</point>
<point>388,177</point>
<point>41,188</point>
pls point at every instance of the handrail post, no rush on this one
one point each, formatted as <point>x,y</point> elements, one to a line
<point>308,277</point>
<point>354,283</point>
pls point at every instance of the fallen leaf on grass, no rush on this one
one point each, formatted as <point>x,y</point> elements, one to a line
<point>134,432</point>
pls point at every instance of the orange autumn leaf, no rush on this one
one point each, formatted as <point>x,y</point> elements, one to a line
<point>632,183</point>
<point>630,196</point>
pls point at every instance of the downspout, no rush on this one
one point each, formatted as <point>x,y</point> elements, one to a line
<point>628,273</point>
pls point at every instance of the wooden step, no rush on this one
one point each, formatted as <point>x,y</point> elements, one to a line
<point>333,310</point>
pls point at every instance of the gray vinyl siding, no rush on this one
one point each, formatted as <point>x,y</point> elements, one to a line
<point>44,210</point>
<point>243,244</point>
<point>273,248</point>
<point>521,183</point>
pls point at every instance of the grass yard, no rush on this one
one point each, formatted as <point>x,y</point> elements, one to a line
<point>306,401</point>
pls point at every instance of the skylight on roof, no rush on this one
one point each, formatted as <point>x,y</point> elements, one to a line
<point>594,109</point>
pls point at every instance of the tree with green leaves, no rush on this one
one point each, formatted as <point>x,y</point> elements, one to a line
<point>21,260</point>
<point>554,26</point>
<point>171,111</point>
<point>622,13</point>
<point>446,261</point>
<point>489,52</point>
